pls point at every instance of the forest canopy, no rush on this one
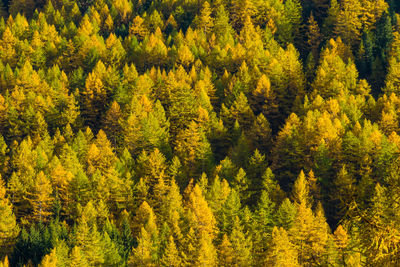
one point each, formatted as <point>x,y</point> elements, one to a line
<point>199,133</point>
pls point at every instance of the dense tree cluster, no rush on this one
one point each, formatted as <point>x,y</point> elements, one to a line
<point>199,133</point>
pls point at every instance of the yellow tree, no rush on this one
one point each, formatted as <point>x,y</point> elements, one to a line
<point>349,24</point>
<point>8,224</point>
<point>171,255</point>
<point>76,258</point>
<point>193,149</point>
<point>142,254</point>
<point>392,84</point>
<point>200,214</point>
<point>341,239</point>
<point>309,232</point>
<point>282,252</point>
<point>225,252</point>
<point>204,20</point>
<point>88,240</point>
<point>41,198</point>
<point>60,179</point>
<point>206,253</point>
<point>124,8</point>
<point>313,36</point>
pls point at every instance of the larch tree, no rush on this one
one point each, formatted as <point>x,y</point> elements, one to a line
<point>88,240</point>
<point>225,252</point>
<point>201,214</point>
<point>41,198</point>
<point>9,229</point>
<point>143,253</point>
<point>206,253</point>
<point>282,252</point>
<point>171,255</point>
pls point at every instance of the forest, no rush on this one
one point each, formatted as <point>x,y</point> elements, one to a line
<point>199,133</point>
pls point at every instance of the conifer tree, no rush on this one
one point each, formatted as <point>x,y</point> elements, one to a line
<point>282,251</point>
<point>286,214</point>
<point>222,28</point>
<point>349,24</point>
<point>241,244</point>
<point>240,11</point>
<point>225,252</point>
<point>88,240</point>
<point>143,253</point>
<point>206,253</point>
<point>201,214</point>
<point>41,198</point>
<point>193,149</point>
<point>8,224</point>
<point>171,255</point>
<point>341,240</point>
<point>76,258</point>
<point>313,36</point>
<point>205,21</point>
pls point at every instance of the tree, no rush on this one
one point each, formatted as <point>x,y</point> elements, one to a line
<point>282,252</point>
<point>206,253</point>
<point>334,76</point>
<point>111,124</point>
<point>138,28</point>
<point>341,240</point>
<point>111,253</point>
<point>225,252</point>
<point>171,255</point>
<point>124,8</point>
<point>310,231</point>
<point>22,6</point>
<point>241,244</point>
<point>222,28</point>
<point>392,83</point>
<point>94,97</point>
<point>366,54</point>
<point>193,149</point>
<point>50,260</point>
<point>204,20</point>
<point>143,253</point>
<point>9,229</point>
<point>349,24</point>
<point>301,191</point>
<point>41,198</point>
<point>345,191</point>
<point>146,127</point>
<point>287,77</point>
<point>286,214</point>
<point>60,180</point>
<point>288,28</point>
<point>201,215</point>
<point>241,11</point>
<point>313,36</point>
<point>263,98</point>
<point>240,111</point>
<point>384,35</point>
<point>76,258</point>
<point>88,240</point>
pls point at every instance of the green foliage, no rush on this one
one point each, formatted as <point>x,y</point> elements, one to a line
<point>201,133</point>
